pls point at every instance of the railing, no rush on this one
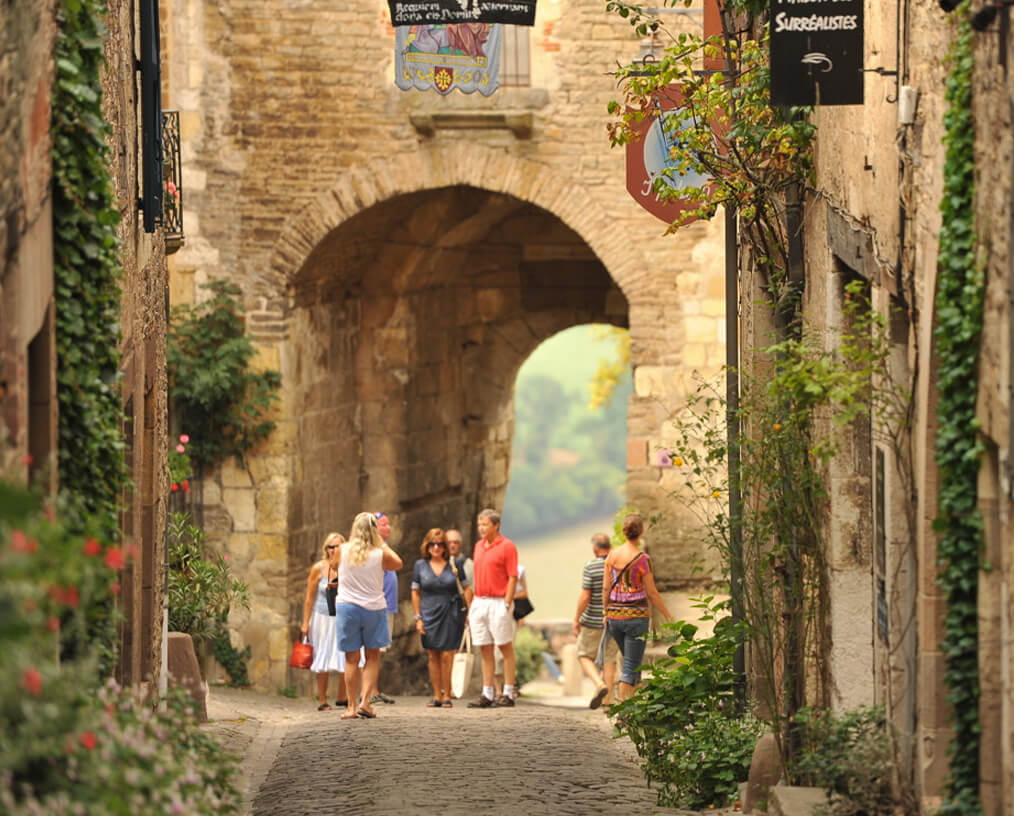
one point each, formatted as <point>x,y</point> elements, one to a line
<point>172,174</point>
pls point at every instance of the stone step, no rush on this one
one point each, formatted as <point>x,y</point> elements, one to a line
<point>794,801</point>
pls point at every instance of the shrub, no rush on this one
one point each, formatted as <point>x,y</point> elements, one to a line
<point>528,647</point>
<point>683,719</point>
<point>67,745</point>
<point>201,586</point>
<point>849,755</point>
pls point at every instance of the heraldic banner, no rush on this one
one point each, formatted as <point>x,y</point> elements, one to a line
<point>413,12</point>
<point>465,56</point>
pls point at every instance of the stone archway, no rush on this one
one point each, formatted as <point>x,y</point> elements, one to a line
<point>399,306</point>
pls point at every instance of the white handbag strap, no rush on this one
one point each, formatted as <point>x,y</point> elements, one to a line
<point>466,641</point>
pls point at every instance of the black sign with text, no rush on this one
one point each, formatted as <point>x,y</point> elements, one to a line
<point>816,52</point>
<point>415,12</point>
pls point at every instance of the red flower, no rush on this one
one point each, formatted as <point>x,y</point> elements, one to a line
<point>53,624</point>
<point>22,543</point>
<point>115,558</point>
<point>32,682</point>
<point>27,459</point>
<point>49,513</point>
<point>114,587</point>
<point>92,547</point>
<point>68,596</point>
<point>186,485</point>
<point>174,487</point>
<point>88,740</point>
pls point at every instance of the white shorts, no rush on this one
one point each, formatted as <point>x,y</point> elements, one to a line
<point>490,622</point>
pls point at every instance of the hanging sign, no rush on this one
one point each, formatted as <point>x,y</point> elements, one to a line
<point>816,52</point>
<point>650,163</point>
<point>465,56</point>
<point>414,12</point>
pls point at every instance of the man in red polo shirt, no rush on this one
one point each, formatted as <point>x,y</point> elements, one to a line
<point>490,616</point>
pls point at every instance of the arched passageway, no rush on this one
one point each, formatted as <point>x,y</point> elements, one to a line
<point>413,318</point>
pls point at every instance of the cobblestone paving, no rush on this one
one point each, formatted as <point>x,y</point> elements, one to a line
<point>533,760</point>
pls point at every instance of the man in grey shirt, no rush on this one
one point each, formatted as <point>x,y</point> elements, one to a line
<point>589,624</point>
<point>454,546</point>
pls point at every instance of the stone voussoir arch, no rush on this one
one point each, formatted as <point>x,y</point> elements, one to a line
<point>461,164</point>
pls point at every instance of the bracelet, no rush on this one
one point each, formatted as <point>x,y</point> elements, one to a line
<point>418,617</point>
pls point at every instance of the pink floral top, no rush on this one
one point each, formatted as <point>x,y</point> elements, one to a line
<point>627,599</point>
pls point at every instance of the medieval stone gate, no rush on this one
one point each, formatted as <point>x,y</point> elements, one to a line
<point>400,256</point>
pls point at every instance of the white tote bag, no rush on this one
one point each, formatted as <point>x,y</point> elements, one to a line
<point>461,670</point>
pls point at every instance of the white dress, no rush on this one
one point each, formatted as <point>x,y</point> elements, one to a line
<point>326,657</point>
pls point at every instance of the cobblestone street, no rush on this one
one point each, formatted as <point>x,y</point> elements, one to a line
<point>534,760</point>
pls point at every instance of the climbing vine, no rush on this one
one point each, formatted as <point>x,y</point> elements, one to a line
<point>86,271</point>
<point>215,395</point>
<point>959,304</point>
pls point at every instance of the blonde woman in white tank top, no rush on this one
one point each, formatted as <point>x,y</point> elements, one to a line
<point>361,621</point>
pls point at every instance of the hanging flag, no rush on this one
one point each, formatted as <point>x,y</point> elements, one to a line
<point>465,56</point>
<point>415,12</point>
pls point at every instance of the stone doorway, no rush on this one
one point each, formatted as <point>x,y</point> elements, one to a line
<point>407,326</point>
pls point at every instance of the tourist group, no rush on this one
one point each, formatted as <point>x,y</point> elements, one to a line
<point>352,595</point>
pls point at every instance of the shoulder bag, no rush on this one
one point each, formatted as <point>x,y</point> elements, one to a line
<point>461,668</point>
<point>462,606</point>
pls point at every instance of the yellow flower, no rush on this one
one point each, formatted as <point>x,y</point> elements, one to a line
<point>716,493</point>
<point>678,462</point>
<point>778,426</point>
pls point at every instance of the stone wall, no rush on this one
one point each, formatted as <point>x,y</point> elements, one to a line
<point>27,356</point>
<point>401,254</point>
<point>874,214</point>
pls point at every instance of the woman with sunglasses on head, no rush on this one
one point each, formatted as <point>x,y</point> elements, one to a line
<point>319,621</point>
<point>362,609</point>
<point>437,584</point>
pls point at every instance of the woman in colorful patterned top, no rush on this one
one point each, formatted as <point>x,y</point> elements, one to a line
<point>628,593</point>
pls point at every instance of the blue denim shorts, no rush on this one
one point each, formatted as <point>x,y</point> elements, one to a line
<point>356,627</point>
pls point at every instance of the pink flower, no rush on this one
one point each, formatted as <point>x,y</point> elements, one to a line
<point>88,740</point>
<point>31,680</point>
<point>53,624</point>
<point>184,438</point>
<point>114,587</point>
<point>115,559</point>
<point>27,460</point>
<point>171,188</point>
<point>180,449</point>
<point>22,543</point>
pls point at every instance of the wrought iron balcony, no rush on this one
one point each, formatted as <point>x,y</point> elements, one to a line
<point>172,175</point>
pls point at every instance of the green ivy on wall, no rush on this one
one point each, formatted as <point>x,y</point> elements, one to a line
<point>87,271</point>
<point>959,304</point>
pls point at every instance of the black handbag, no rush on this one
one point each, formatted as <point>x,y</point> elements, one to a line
<point>331,593</point>
<point>462,606</point>
<point>522,608</point>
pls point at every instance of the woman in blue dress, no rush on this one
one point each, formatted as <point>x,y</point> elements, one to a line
<point>440,611</point>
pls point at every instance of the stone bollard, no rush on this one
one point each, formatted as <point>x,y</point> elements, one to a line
<point>765,771</point>
<point>573,677</point>
<point>184,671</point>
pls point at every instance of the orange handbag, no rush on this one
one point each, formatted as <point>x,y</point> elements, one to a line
<point>302,655</point>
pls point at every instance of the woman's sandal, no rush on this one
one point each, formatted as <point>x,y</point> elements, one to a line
<point>434,703</point>
<point>323,707</point>
<point>350,715</point>
<point>367,715</point>
<point>341,703</point>
<point>447,704</point>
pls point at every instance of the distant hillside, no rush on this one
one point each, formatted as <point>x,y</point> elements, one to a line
<point>568,460</point>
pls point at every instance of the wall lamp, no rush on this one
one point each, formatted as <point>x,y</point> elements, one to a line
<point>984,17</point>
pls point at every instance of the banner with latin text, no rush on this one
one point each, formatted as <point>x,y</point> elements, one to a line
<point>439,57</point>
<point>416,12</point>
<point>816,52</point>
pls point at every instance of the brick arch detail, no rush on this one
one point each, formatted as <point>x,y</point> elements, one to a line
<point>460,165</point>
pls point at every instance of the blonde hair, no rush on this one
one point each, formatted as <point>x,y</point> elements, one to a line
<point>363,537</point>
<point>331,538</point>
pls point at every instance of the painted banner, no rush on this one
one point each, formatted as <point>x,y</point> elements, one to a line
<point>649,159</point>
<point>416,12</point>
<point>465,56</point>
<point>816,52</point>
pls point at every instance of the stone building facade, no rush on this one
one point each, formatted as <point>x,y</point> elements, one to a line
<point>28,383</point>
<point>873,214</point>
<point>401,254</point>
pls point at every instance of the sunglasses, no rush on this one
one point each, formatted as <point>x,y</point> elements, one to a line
<point>331,546</point>
<point>437,544</point>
